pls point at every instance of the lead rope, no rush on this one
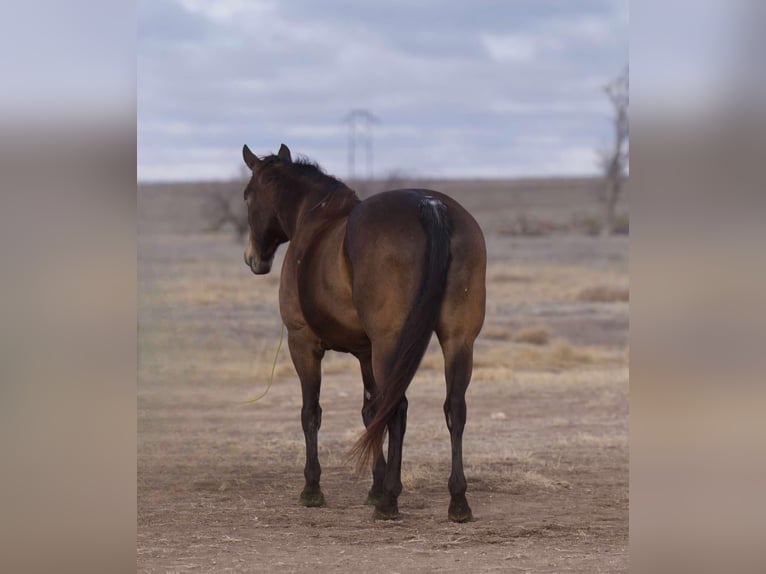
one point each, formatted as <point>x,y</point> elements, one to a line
<point>273,368</point>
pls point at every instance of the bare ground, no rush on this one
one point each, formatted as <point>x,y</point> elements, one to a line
<point>546,446</point>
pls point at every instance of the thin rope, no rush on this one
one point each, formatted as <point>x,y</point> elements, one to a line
<point>273,368</point>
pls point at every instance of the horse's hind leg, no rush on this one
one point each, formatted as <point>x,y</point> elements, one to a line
<point>368,413</point>
<point>307,358</point>
<point>458,363</point>
<point>387,508</point>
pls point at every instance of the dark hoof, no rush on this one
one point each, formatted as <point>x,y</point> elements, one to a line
<point>459,511</point>
<point>373,498</point>
<point>385,514</point>
<point>312,499</point>
<point>386,510</point>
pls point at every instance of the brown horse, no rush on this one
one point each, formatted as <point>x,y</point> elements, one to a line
<point>373,278</point>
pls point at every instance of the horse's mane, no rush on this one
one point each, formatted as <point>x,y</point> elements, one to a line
<point>312,174</point>
<point>305,168</point>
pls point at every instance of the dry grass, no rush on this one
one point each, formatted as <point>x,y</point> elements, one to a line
<point>564,354</point>
<point>504,275</point>
<point>535,335</point>
<point>601,380</point>
<point>207,338</point>
<point>516,285</point>
<point>243,357</point>
<point>216,291</point>
<point>496,362</point>
<point>497,332</point>
<point>604,294</point>
<point>501,454</point>
<point>499,362</point>
<point>561,355</point>
<point>505,477</point>
<point>590,440</point>
<point>416,476</point>
<point>495,476</point>
<point>532,478</point>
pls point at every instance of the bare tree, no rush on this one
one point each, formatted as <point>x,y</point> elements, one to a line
<point>224,206</point>
<point>221,209</point>
<point>614,161</point>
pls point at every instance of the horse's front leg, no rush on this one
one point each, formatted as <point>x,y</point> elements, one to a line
<point>307,353</point>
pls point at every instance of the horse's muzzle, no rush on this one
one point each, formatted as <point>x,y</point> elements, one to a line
<point>257,265</point>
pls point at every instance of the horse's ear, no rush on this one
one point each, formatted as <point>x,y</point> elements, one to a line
<point>250,158</point>
<point>284,153</point>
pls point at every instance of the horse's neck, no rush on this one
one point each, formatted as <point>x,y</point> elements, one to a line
<point>318,207</point>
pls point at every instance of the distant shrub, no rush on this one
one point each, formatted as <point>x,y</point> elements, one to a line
<point>527,226</point>
<point>497,332</point>
<point>589,224</point>
<point>503,276</point>
<point>536,335</point>
<point>561,354</point>
<point>564,354</point>
<point>622,224</point>
<point>604,294</point>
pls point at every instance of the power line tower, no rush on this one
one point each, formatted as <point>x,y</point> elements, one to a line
<point>360,122</point>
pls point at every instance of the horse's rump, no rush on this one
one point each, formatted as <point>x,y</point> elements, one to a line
<point>399,250</point>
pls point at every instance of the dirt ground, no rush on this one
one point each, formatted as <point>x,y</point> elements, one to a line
<point>546,442</point>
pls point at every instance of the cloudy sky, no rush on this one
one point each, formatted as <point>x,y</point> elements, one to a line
<point>461,89</point>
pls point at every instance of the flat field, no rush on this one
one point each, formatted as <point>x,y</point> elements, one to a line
<point>546,442</point>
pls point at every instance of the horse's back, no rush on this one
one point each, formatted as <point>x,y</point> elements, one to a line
<point>385,245</point>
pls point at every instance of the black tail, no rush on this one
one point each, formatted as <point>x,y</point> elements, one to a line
<point>416,332</point>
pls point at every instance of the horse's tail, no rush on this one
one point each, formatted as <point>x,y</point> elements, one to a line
<point>416,332</point>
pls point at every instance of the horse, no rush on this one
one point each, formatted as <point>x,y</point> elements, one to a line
<point>374,278</point>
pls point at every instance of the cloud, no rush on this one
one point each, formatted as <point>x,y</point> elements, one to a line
<point>554,35</point>
<point>551,108</point>
<point>576,160</point>
<point>513,47</point>
<point>228,10</point>
<point>446,79</point>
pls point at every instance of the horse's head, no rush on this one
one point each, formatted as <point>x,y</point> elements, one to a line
<point>266,233</point>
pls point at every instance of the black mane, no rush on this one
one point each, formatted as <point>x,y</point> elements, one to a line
<point>304,167</point>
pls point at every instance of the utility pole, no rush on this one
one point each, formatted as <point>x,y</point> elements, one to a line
<point>360,122</point>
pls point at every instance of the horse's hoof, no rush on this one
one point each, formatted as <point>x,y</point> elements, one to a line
<point>313,499</point>
<point>386,510</point>
<point>385,514</point>
<point>466,517</point>
<point>373,499</point>
<point>460,511</point>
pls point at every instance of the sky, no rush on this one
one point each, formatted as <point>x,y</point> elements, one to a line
<point>460,89</point>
